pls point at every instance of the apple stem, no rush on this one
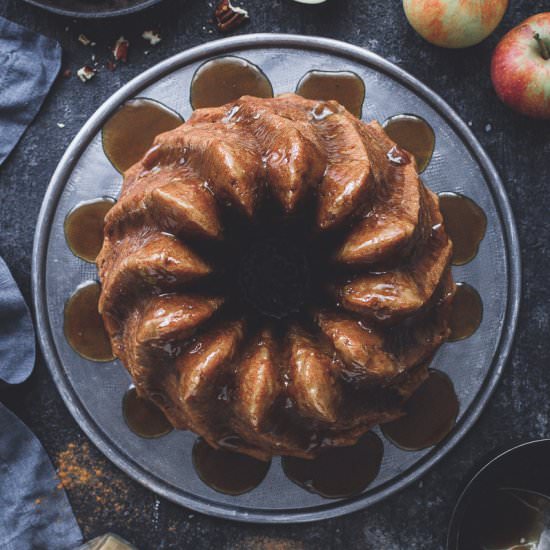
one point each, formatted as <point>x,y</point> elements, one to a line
<point>543,46</point>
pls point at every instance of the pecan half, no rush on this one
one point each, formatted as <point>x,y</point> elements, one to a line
<point>229,17</point>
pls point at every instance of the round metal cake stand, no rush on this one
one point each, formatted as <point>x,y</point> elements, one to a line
<point>92,392</point>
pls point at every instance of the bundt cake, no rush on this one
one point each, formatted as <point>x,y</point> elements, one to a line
<point>275,276</point>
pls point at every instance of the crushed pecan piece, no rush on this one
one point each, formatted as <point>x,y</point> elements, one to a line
<point>229,17</point>
<point>152,37</point>
<point>120,50</point>
<point>84,40</point>
<point>86,73</point>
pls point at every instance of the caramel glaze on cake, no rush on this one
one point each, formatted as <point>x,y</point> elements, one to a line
<point>315,179</point>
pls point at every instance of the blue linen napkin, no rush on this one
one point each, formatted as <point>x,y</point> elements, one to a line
<point>17,344</point>
<point>29,63</point>
<point>34,513</point>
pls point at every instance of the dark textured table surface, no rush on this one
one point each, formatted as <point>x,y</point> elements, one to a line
<point>103,498</point>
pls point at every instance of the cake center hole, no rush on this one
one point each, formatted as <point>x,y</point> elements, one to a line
<point>274,277</point>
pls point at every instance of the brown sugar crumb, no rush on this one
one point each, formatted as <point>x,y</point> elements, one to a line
<point>81,476</point>
<point>70,472</point>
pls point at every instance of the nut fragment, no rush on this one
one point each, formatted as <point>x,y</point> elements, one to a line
<point>84,40</point>
<point>229,17</point>
<point>86,73</point>
<point>120,51</point>
<point>152,37</point>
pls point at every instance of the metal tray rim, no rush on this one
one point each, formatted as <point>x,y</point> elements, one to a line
<point>101,440</point>
<point>144,4</point>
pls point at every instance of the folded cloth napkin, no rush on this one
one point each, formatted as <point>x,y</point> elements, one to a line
<point>34,513</point>
<point>29,63</point>
<point>17,344</point>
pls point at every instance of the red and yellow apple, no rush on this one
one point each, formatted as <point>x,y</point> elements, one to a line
<point>454,23</point>
<point>520,68</point>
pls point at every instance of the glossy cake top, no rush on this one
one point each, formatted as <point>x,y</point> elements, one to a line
<point>275,276</point>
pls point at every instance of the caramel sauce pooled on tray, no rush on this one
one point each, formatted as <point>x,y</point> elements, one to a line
<point>467,312</point>
<point>339,471</point>
<point>345,87</point>
<point>84,227</point>
<point>413,134</point>
<point>226,471</point>
<point>83,325</point>
<point>130,132</point>
<point>143,417</point>
<point>226,79</point>
<point>465,223</point>
<point>430,415</point>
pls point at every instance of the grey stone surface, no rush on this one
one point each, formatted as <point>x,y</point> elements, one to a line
<point>416,518</point>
